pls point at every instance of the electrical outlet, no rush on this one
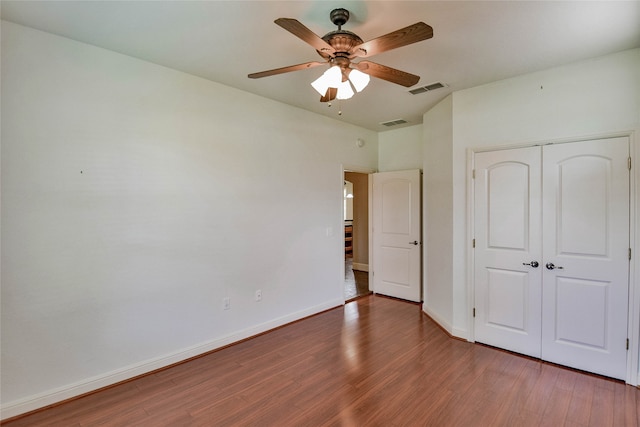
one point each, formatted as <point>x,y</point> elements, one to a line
<point>259,295</point>
<point>226,303</point>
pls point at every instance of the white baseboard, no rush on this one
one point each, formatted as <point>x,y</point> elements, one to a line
<point>438,319</point>
<point>360,267</point>
<point>41,400</point>
<point>451,330</point>
<point>460,333</point>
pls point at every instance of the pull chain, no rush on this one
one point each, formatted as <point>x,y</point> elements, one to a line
<point>339,106</point>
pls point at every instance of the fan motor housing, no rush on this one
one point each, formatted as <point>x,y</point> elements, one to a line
<point>342,41</point>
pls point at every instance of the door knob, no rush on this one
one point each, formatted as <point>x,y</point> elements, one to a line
<point>415,242</point>
<point>533,264</point>
<point>551,266</point>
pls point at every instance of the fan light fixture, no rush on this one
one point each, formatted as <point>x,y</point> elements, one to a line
<point>333,78</point>
<point>359,79</point>
<point>339,47</point>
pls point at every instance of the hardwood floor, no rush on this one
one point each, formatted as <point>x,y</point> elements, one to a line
<point>374,362</point>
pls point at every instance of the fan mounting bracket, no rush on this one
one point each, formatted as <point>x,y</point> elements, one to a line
<point>339,17</point>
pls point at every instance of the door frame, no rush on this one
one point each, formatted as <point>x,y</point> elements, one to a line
<point>358,169</point>
<point>633,322</point>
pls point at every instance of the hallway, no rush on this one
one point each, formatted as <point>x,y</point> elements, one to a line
<point>356,283</point>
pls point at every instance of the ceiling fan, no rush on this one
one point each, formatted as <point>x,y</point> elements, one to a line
<point>340,47</point>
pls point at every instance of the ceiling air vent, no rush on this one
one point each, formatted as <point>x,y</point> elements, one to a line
<point>394,122</point>
<point>427,88</point>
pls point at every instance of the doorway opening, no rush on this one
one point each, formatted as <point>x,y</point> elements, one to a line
<point>356,235</point>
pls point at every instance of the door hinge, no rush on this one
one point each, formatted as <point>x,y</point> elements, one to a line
<point>473,243</point>
<point>627,343</point>
<point>474,312</point>
<point>629,162</point>
<point>473,174</point>
<point>629,254</point>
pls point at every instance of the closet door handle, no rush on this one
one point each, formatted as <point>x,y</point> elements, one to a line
<point>551,266</point>
<point>533,264</point>
<point>415,242</point>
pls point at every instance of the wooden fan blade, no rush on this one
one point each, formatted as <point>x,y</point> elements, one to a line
<point>297,29</point>
<point>286,69</point>
<point>387,73</point>
<point>331,94</point>
<point>403,37</point>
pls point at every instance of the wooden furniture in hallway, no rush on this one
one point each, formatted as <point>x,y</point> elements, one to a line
<point>348,240</point>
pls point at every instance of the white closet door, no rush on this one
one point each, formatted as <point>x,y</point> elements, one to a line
<point>586,238</point>
<point>507,233</point>
<point>565,206</point>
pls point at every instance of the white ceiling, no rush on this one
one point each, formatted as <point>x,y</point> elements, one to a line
<point>475,42</point>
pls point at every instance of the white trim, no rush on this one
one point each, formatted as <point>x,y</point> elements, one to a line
<point>451,330</point>
<point>97,382</point>
<point>360,267</point>
<point>441,321</point>
<point>357,169</point>
<point>633,362</point>
<point>633,376</point>
<point>470,261</point>
<point>460,333</point>
<point>370,209</point>
<point>368,171</point>
<point>536,143</point>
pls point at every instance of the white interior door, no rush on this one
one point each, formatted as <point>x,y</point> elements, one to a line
<point>565,206</point>
<point>507,233</point>
<point>586,237</point>
<point>396,234</point>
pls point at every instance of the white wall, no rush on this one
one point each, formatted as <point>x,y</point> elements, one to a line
<point>136,197</point>
<point>590,98</point>
<point>437,210</point>
<point>400,149</point>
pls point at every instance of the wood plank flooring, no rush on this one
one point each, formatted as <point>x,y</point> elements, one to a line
<point>374,362</point>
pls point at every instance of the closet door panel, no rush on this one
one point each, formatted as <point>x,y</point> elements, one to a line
<point>507,234</point>
<point>585,245</point>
